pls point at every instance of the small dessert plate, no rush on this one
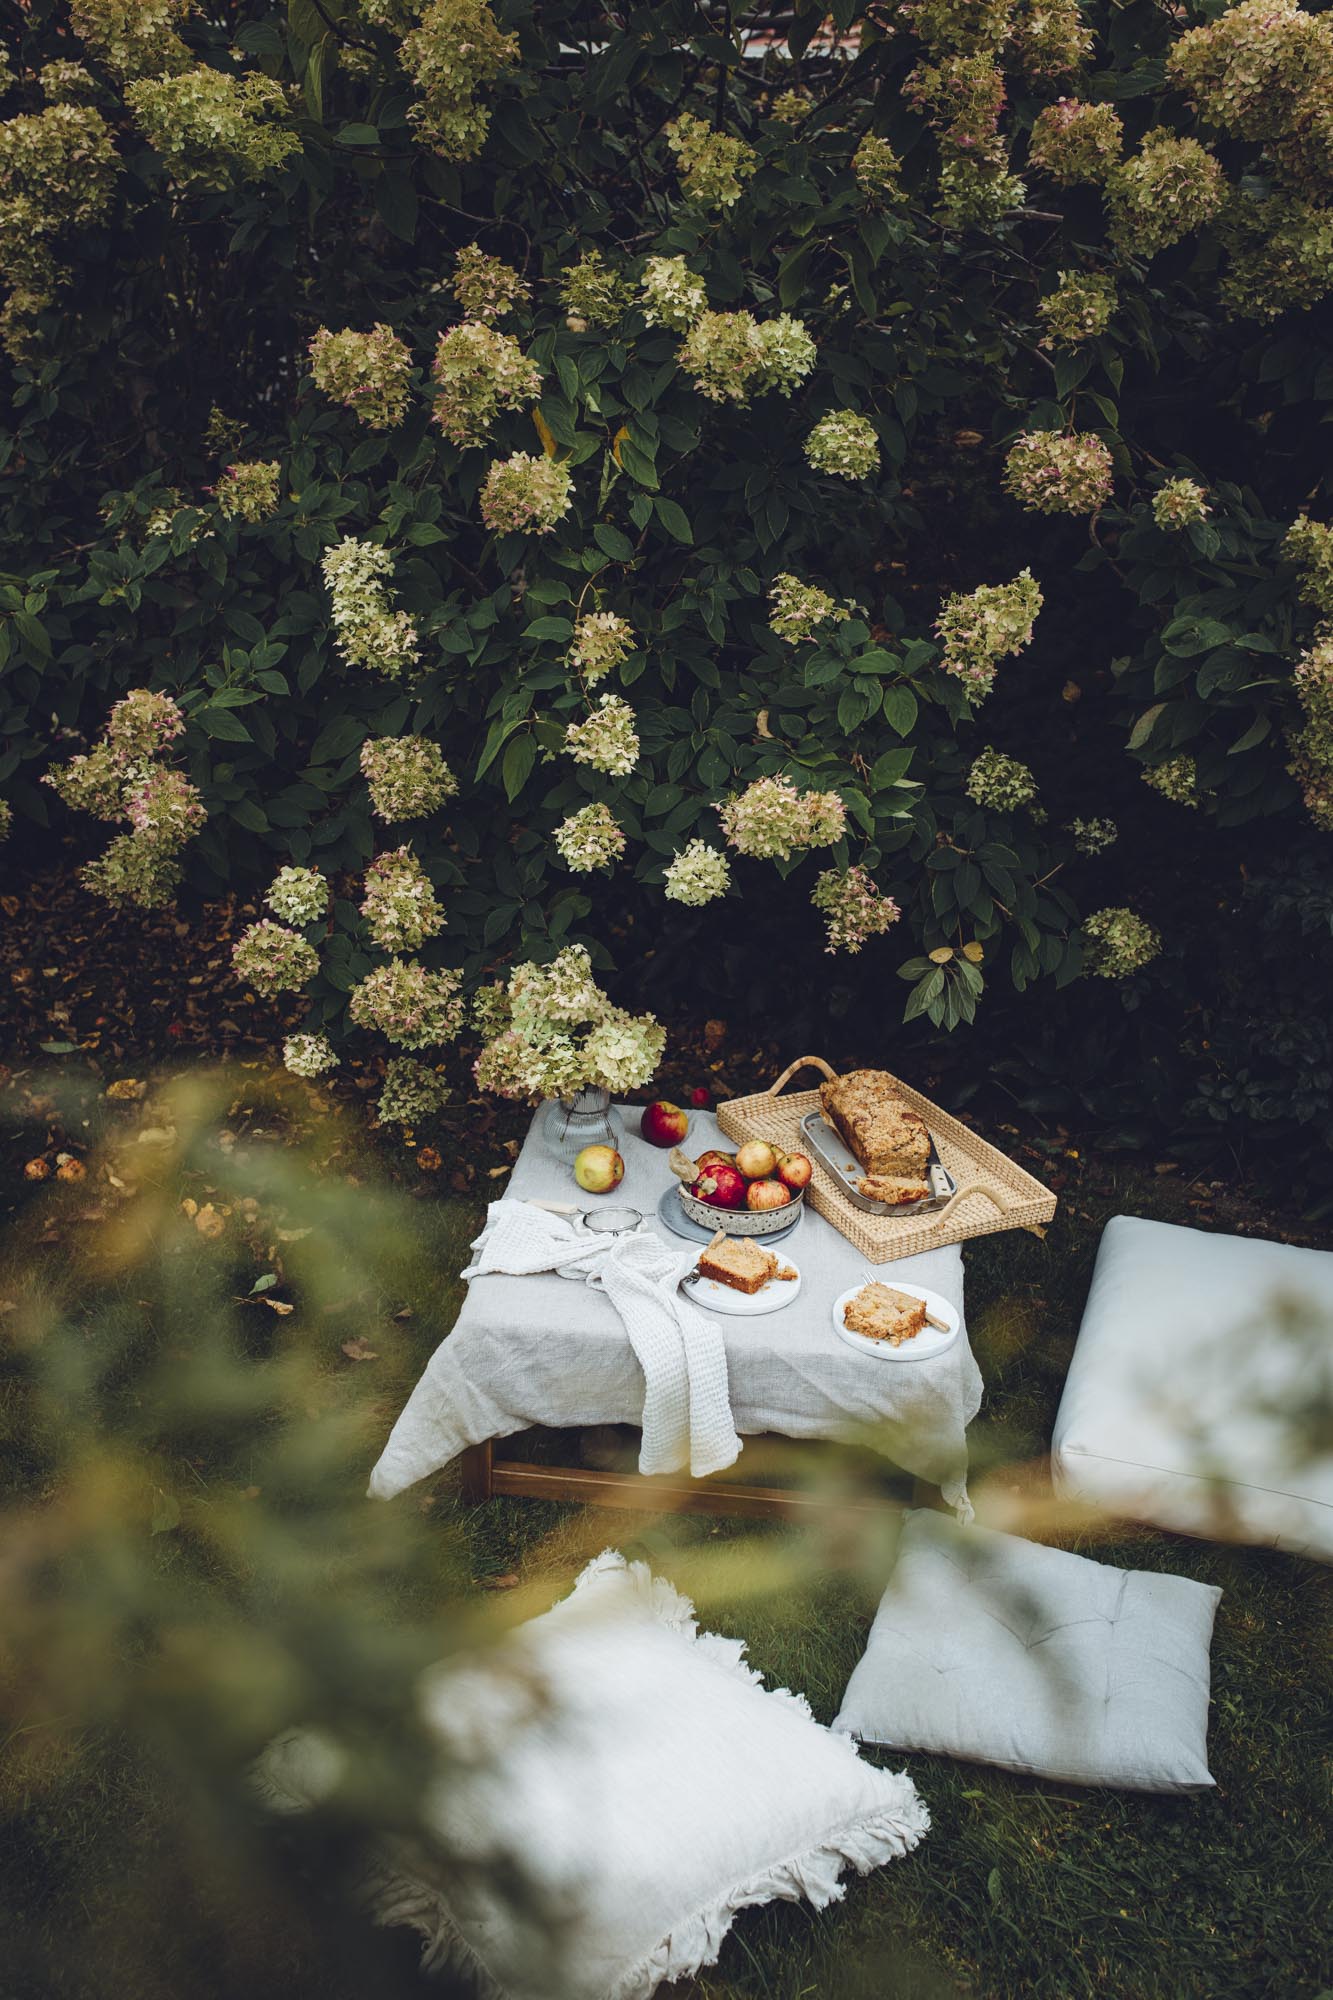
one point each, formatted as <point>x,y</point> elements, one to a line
<point>709,1296</point>
<point>924,1347</point>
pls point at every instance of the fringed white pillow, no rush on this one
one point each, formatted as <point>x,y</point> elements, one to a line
<point>619,1785</point>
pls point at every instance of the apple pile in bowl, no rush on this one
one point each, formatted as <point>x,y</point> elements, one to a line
<point>749,1192</point>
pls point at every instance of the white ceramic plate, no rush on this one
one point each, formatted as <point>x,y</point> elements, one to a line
<point>928,1343</point>
<point>709,1296</point>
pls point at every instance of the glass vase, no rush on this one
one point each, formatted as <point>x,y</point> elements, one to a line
<point>569,1124</point>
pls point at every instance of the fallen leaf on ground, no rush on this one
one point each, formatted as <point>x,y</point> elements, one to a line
<point>358,1350</point>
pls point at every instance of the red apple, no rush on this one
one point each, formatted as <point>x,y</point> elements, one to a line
<point>757,1160</point>
<point>767,1194</point>
<point>794,1171</point>
<point>700,1098</point>
<point>663,1124</point>
<point>598,1169</point>
<point>720,1187</point>
<point>712,1158</point>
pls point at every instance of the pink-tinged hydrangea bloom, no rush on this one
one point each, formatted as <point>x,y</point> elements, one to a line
<point>370,633</point>
<point>486,287</point>
<point>962,97</point>
<point>714,166</point>
<point>400,907</point>
<point>1162,192</point>
<point>164,805</point>
<point>368,373</point>
<point>453,52</point>
<point>602,641</point>
<point>248,492</point>
<point>273,959</point>
<point>133,37</point>
<point>299,896</point>
<point>1000,783</point>
<point>1051,38</point>
<point>1078,310</point>
<point>877,168</point>
<point>309,1055</point>
<point>1179,503</point>
<point>594,293</point>
<point>855,907</point>
<point>407,776</point>
<point>697,874</point>
<point>672,295</point>
<point>978,628</point>
<point>1309,544</point>
<point>551,1031</point>
<point>1094,836</point>
<point>142,724</point>
<point>607,739</point>
<point>1312,743</point>
<point>845,444</point>
<point>212,129</point>
<point>1279,252</point>
<point>1177,779</point>
<point>479,371</point>
<point>771,820</point>
<point>1054,472</point>
<point>523,492</point>
<point>1074,142</point>
<point>1251,71</point>
<point>409,1005</point>
<point>799,609</point>
<point>733,356</point>
<point>1117,942</point>
<point>590,838</point>
<point>411,1092</point>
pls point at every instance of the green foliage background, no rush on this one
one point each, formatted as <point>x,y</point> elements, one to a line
<point>186,298</point>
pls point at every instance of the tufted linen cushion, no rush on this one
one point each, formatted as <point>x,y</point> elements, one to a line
<point>1192,1400</point>
<point>616,1786</point>
<point>998,1650</point>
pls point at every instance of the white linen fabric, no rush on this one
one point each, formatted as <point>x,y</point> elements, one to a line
<point>536,1350</point>
<point>998,1650</point>
<point>1202,1363</point>
<point>615,1786</point>
<point>686,1410</point>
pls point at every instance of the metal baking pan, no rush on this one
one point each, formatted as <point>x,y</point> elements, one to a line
<point>832,1151</point>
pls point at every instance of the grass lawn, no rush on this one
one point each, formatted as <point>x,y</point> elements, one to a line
<point>1022,1891</point>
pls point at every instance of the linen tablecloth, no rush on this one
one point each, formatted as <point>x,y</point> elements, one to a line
<point>538,1350</point>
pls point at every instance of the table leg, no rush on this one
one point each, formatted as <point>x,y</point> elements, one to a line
<point>477,1482</point>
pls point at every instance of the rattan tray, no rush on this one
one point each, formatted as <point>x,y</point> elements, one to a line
<point>993,1193</point>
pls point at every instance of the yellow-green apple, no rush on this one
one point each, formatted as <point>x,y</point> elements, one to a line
<point>598,1169</point>
<point>756,1160</point>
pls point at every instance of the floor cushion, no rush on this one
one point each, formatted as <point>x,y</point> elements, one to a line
<point>1001,1651</point>
<point>1200,1363</point>
<point>643,1785</point>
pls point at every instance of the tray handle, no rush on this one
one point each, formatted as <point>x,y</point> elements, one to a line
<point>801,1062</point>
<point>961,1194</point>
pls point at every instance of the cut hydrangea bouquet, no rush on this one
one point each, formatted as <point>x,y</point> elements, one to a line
<point>549,1031</point>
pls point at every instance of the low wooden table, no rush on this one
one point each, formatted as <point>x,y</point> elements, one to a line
<point>540,1352</point>
<point>485,1475</point>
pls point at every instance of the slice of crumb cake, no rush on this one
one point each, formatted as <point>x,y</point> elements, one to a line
<point>882,1312</point>
<point>738,1262</point>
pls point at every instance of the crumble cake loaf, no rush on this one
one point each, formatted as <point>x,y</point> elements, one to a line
<point>739,1262</point>
<point>882,1312</point>
<point>886,1136</point>
<point>894,1190</point>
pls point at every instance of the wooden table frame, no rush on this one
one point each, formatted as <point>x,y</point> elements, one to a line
<point>485,1476</point>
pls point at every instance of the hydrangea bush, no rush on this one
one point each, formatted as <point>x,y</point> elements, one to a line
<point>634,469</point>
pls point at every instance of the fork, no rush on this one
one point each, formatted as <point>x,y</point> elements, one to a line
<point>940,1325</point>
